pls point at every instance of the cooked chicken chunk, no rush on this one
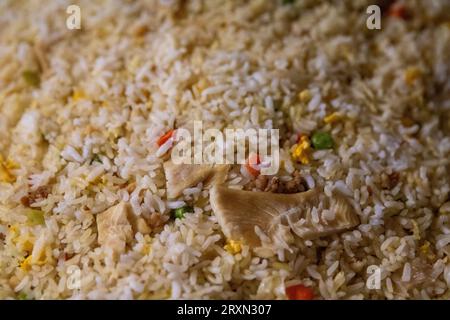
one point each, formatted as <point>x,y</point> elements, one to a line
<point>114,227</point>
<point>182,176</point>
<point>32,147</point>
<point>309,214</point>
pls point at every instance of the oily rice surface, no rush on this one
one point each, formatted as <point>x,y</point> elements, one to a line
<point>81,112</point>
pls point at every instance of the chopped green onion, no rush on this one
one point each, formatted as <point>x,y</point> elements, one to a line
<point>179,213</point>
<point>22,296</point>
<point>31,78</point>
<point>288,1</point>
<point>322,140</point>
<point>35,217</point>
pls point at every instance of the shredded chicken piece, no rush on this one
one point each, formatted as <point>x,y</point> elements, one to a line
<point>219,175</point>
<point>114,227</point>
<point>182,176</point>
<point>309,214</point>
<point>140,225</point>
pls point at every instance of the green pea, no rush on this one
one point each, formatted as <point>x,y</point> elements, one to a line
<point>179,213</point>
<point>31,78</point>
<point>322,140</point>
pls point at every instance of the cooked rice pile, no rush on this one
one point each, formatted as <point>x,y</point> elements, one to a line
<point>81,111</point>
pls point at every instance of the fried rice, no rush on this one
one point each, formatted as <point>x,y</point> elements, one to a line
<point>81,112</point>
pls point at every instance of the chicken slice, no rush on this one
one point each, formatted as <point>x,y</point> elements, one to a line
<point>114,228</point>
<point>309,214</point>
<point>182,176</point>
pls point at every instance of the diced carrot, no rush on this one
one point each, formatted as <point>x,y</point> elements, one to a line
<point>163,139</point>
<point>252,160</point>
<point>398,10</point>
<point>299,292</point>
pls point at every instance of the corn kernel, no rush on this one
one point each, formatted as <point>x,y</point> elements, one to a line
<point>233,247</point>
<point>304,96</point>
<point>332,118</point>
<point>300,151</point>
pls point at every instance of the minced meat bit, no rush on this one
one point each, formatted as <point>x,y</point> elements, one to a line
<point>39,194</point>
<point>297,184</point>
<point>156,221</point>
<point>389,181</point>
<point>276,185</point>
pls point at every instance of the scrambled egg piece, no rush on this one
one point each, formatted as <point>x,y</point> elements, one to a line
<point>25,265</point>
<point>5,170</point>
<point>26,243</point>
<point>332,118</point>
<point>78,95</point>
<point>300,152</point>
<point>304,96</point>
<point>233,247</point>
<point>13,229</point>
